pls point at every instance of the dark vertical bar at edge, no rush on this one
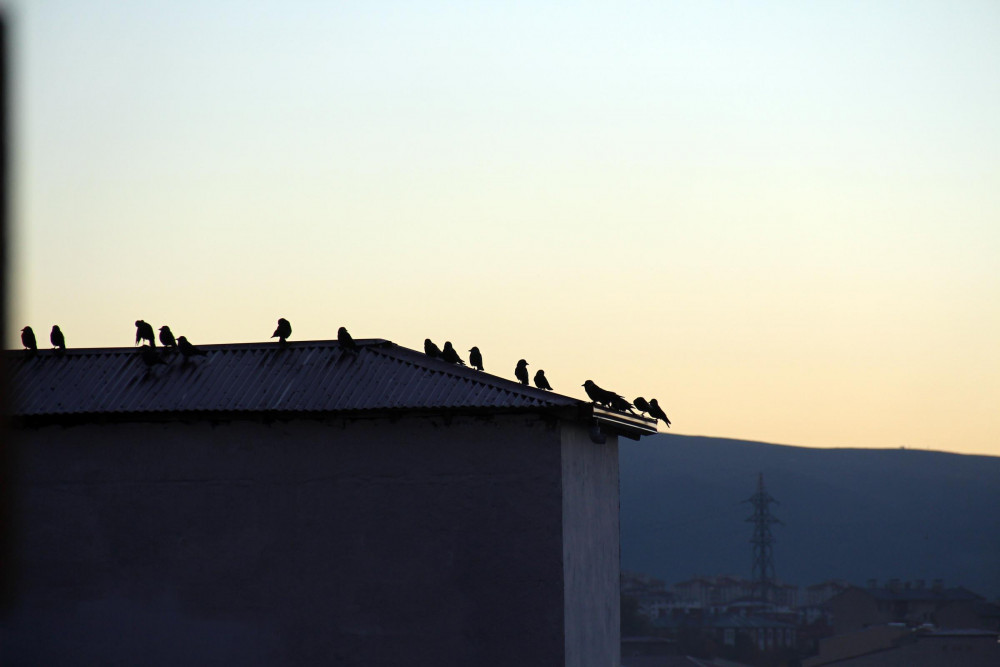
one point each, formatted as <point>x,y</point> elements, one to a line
<point>7,575</point>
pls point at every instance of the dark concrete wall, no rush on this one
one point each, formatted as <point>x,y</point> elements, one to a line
<point>591,560</point>
<point>413,542</point>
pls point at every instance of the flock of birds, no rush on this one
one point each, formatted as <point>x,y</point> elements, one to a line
<point>600,396</point>
<point>145,336</point>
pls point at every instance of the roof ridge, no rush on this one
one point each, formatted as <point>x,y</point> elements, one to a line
<point>332,343</point>
<point>476,376</point>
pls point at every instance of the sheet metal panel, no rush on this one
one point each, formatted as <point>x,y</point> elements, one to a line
<point>312,376</point>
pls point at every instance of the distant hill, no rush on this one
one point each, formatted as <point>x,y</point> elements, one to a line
<point>852,514</point>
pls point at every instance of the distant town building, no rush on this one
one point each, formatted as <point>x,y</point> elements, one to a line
<point>875,626</point>
<point>817,594</point>
<point>766,634</point>
<point>653,599</point>
<point>716,593</point>
<point>907,603</point>
<point>729,633</point>
<point>979,614</point>
<point>638,582</point>
<point>814,608</point>
<point>713,592</point>
<point>273,504</point>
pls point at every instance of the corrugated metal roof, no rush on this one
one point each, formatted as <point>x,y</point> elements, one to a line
<point>300,377</point>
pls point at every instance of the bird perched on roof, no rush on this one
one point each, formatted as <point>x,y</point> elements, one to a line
<point>283,331</point>
<point>541,382</point>
<point>150,356</point>
<point>167,337</point>
<point>187,349</point>
<point>144,332</point>
<point>450,355</point>
<point>57,338</point>
<point>657,412</point>
<point>347,343</point>
<point>620,404</point>
<point>476,358</point>
<point>598,395</point>
<point>430,349</point>
<point>28,339</point>
<point>521,372</point>
<point>641,404</point>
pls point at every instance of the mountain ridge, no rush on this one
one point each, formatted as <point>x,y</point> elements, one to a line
<point>847,513</point>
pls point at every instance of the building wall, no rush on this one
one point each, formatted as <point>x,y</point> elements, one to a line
<point>860,642</point>
<point>855,609</point>
<point>368,542</point>
<point>962,614</point>
<point>591,561</point>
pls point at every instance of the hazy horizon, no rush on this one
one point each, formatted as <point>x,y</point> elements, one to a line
<point>780,220</point>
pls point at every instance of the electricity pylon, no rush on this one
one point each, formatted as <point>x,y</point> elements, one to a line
<point>763,559</point>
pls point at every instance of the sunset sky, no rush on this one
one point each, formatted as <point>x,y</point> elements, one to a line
<point>782,219</point>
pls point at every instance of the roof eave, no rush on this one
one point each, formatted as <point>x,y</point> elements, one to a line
<point>625,424</point>
<point>447,412</point>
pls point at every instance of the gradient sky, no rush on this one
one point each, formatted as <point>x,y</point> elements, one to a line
<point>782,219</point>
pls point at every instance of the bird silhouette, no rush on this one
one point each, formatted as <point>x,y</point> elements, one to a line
<point>450,355</point>
<point>187,349</point>
<point>657,412</point>
<point>620,404</point>
<point>150,356</point>
<point>283,331</point>
<point>641,404</point>
<point>144,332</point>
<point>476,359</point>
<point>57,338</point>
<point>521,372</point>
<point>347,343</point>
<point>430,349</point>
<point>598,395</point>
<point>167,337</point>
<point>541,382</point>
<point>28,339</point>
